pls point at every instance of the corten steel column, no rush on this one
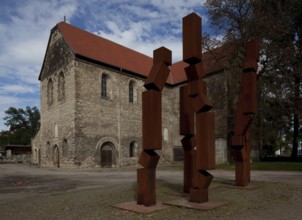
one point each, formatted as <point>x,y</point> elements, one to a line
<point>199,142</point>
<point>246,108</point>
<point>152,126</point>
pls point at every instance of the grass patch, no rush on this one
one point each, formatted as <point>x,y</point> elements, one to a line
<point>275,166</point>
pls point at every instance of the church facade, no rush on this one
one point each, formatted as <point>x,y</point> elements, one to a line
<point>90,95</point>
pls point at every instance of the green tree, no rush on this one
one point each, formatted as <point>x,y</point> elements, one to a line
<point>23,124</point>
<point>278,26</point>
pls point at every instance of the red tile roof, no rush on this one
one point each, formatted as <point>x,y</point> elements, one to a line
<point>105,51</point>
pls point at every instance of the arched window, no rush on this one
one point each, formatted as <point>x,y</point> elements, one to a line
<point>49,92</point>
<point>61,87</point>
<point>131,91</point>
<point>166,134</point>
<point>64,148</point>
<point>56,130</point>
<point>133,149</point>
<point>104,86</point>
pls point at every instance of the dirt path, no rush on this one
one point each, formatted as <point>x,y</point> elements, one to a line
<point>28,192</point>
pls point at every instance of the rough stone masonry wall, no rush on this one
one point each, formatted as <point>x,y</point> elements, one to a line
<point>57,119</point>
<point>114,119</point>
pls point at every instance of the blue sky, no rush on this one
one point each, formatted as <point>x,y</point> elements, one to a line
<point>142,25</point>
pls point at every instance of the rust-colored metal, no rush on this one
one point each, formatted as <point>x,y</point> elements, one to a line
<point>201,103</point>
<point>242,164</point>
<point>188,142</point>
<point>162,54</point>
<point>252,56</point>
<point>197,87</point>
<point>246,108</point>
<point>149,159</point>
<point>152,120</point>
<point>186,113</point>
<point>152,126</point>
<point>200,193</point>
<point>194,72</point>
<point>146,187</point>
<point>205,141</point>
<point>189,168</point>
<point>199,146</point>
<point>191,38</point>
<point>249,102</point>
<point>157,81</point>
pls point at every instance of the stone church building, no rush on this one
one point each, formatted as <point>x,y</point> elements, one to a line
<point>90,93</point>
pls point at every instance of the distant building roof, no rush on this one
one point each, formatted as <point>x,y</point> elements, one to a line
<point>98,49</point>
<point>18,148</point>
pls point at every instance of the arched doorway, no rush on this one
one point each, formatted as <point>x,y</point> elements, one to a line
<point>56,156</point>
<point>107,155</point>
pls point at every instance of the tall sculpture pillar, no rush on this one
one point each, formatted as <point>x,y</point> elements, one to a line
<point>199,140</point>
<point>246,108</point>
<point>152,126</point>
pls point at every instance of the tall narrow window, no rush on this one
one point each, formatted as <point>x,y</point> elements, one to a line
<point>104,86</point>
<point>61,87</point>
<point>56,130</point>
<point>133,149</point>
<point>49,92</point>
<point>131,91</point>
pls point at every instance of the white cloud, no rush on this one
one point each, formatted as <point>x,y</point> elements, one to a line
<point>24,32</point>
<point>144,25</point>
<point>25,27</point>
<point>16,89</point>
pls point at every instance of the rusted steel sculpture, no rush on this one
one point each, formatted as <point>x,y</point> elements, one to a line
<point>199,140</point>
<point>246,108</point>
<point>152,126</point>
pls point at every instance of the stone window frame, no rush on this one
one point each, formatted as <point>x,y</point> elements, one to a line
<point>104,86</point>
<point>50,92</point>
<point>166,134</point>
<point>56,130</point>
<point>134,92</point>
<point>131,91</point>
<point>133,149</point>
<point>61,87</point>
<point>64,147</point>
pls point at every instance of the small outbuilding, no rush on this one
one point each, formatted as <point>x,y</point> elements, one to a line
<point>20,153</point>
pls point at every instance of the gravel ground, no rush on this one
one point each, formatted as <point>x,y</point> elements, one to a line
<point>29,192</point>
